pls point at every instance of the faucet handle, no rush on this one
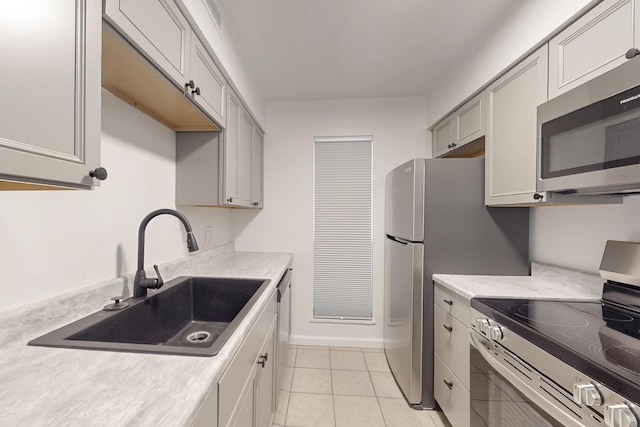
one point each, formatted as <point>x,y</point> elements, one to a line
<point>159,281</point>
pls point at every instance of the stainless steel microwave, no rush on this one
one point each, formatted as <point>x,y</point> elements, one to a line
<point>589,137</point>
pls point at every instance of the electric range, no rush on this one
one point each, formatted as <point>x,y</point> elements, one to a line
<point>576,361</point>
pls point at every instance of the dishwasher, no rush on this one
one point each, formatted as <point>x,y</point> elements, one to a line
<point>284,327</point>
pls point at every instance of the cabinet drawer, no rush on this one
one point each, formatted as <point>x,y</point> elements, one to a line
<point>454,400</point>
<point>233,380</point>
<point>451,343</point>
<point>452,304</point>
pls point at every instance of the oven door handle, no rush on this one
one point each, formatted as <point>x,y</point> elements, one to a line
<point>483,345</point>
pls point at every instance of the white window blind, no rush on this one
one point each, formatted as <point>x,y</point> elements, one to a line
<point>342,250</point>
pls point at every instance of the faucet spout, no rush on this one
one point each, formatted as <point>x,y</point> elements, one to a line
<point>141,283</point>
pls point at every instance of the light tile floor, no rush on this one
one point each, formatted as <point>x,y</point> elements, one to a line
<point>345,387</point>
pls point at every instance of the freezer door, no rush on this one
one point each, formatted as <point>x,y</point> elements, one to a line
<point>404,201</point>
<point>403,315</point>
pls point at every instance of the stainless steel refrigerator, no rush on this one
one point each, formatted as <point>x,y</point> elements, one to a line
<point>436,222</point>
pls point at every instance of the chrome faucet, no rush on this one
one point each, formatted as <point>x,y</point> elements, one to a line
<point>141,283</point>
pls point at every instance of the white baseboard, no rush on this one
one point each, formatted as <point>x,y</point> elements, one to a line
<point>336,342</point>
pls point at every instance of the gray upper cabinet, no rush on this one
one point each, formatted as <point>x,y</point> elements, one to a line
<point>242,157</point>
<point>594,44</point>
<point>470,120</point>
<point>157,28</point>
<point>221,168</point>
<point>50,121</point>
<point>443,136</point>
<point>463,126</point>
<point>210,90</point>
<point>512,101</point>
<point>257,141</point>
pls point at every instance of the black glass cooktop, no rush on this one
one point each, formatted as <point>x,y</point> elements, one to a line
<point>601,340</point>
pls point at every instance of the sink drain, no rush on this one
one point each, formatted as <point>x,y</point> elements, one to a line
<point>199,336</point>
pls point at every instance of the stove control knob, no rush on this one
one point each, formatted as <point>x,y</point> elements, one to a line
<point>619,415</point>
<point>586,394</point>
<point>495,332</point>
<point>482,325</point>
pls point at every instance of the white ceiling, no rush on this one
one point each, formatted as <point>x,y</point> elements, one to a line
<point>325,49</point>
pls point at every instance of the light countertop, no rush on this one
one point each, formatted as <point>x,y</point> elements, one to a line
<point>545,282</point>
<point>42,386</point>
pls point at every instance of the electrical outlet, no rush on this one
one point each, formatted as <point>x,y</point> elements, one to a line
<point>208,234</point>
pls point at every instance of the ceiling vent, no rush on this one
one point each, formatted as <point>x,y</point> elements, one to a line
<point>214,12</point>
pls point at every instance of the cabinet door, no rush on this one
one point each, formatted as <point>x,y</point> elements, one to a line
<point>512,101</point>
<point>257,141</point>
<point>470,121</point>
<point>230,186</point>
<point>245,133</point>
<point>237,154</point>
<point>265,390</point>
<point>594,44</point>
<point>244,414</point>
<point>158,29</point>
<point>50,102</point>
<point>444,134</point>
<point>208,81</point>
<point>208,415</point>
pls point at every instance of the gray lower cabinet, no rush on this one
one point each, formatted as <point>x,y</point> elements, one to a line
<point>53,58</point>
<point>452,356</point>
<point>245,394</point>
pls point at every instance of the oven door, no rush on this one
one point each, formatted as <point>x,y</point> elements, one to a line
<point>496,402</point>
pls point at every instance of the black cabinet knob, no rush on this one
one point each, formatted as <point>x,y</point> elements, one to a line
<point>196,91</point>
<point>632,53</point>
<point>190,84</point>
<point>537,196</point>
<point>98,173</point>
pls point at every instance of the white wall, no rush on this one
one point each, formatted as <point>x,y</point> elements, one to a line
<point>286,222</point>
<point>57,241</point>
<point>574,236</point>
<point>530,23</point>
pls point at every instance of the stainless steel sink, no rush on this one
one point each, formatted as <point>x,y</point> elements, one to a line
<point>190,316</point>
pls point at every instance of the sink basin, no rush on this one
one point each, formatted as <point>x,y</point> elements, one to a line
<point>190,316</point>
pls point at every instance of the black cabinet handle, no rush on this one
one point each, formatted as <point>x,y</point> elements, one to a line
<point>447,301</point>
<point>230,200</point>
<point>448,328</point>
<point>98,173</point>
<point>449,384</point>
<point>190,84</point>
<point>537,196</point>
<point>263,359</point>
<point>196,91</point>
<point>449,146</point>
